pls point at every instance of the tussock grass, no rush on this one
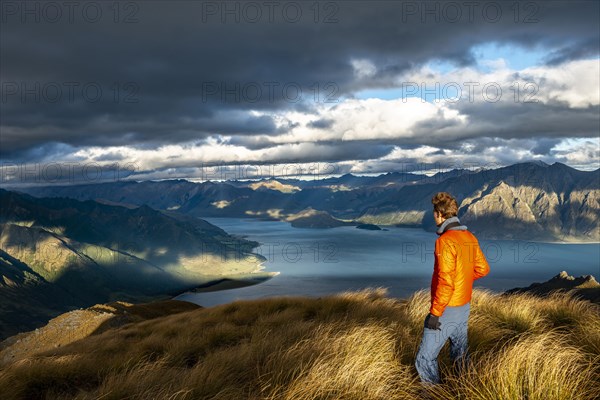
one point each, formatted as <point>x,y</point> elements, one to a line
<point>354,345</point>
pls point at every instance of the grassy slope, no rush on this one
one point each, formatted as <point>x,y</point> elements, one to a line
<point>83,253</point>
<point>356,345</point>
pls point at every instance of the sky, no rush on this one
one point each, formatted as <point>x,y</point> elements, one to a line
<point>99,90</point>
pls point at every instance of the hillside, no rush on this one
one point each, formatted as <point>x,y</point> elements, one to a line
<point>58,254</point>
<point>27,300</point>
<point>528,201</point>
<point>353,345</point>
<point>585,287</point>
<point>81,323</point>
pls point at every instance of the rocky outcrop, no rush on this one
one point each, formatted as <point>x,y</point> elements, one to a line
<point>585,286</point>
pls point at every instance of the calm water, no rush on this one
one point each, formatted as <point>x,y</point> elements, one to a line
<point>318,262</point>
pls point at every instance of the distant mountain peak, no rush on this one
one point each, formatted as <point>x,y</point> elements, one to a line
<point>560,165</point>
<point>564,275</point>
<point>584,286</point>
<point>540,163</point>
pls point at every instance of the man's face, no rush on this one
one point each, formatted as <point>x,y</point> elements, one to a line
<point>437,217</point>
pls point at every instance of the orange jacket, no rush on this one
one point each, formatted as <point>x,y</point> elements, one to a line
<point>458,262</point>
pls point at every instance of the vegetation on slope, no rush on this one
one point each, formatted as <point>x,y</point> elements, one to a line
<point>354,345</point>
<point>59,254</point>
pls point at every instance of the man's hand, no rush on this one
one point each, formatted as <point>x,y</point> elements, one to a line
<point>432,322</point>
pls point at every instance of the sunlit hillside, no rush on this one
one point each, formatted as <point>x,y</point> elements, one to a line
<point>61,254</point>
<point>354,345</point>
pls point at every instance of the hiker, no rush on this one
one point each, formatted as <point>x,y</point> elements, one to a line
<point>458,261</point>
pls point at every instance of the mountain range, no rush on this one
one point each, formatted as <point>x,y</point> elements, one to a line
<point>531,200</point>
<point>58,254</point>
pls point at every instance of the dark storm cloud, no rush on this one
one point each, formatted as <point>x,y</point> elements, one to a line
<point>590,47</point>
<point>440,152</point>
<point>250,142</point>
<point>543,146</point>
<point>321,123</point>
<point>122,130</point>
<point>173,72</point>
<point>523,120</point>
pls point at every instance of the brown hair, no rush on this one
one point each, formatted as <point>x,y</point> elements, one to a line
<point>445,204</point>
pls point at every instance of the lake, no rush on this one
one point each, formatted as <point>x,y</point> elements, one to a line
<point>317,262</point>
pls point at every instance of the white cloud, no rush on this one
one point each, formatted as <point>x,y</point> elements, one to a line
<point>363,68</point>
<point>575,83</point>
<point>579,153</point>
<point>367,119</point>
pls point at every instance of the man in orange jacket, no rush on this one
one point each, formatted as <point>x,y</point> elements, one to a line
<point>458,262</point>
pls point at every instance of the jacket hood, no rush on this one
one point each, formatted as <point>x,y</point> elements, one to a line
<point>451,221</point>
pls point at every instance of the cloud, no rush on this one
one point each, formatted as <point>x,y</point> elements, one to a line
<point>542,102</point>
<point>363,68</point>
<point>543,146</point>
<point>178,84</point>
<point>320,124</point>
<point>586,48</point>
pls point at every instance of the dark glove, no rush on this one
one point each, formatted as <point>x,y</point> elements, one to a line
<point>432,322</point>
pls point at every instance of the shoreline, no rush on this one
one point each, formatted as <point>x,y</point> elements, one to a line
<point>227,282</point>
<point>232,280</point>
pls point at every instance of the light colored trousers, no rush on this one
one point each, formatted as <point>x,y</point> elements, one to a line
<point>453,326</point>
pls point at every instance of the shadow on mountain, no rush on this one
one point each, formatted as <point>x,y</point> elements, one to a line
<point>63,254</point>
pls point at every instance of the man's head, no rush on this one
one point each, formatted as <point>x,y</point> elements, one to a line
<point>444,207</point>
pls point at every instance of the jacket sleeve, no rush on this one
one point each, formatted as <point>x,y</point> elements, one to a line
<point>482,268</point>
<point>445,259</point>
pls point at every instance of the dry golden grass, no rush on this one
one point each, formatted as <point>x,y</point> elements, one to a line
<point>355,346</point>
